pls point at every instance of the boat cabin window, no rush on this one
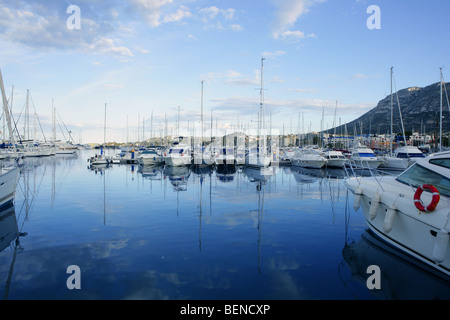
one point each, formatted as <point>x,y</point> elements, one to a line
<point>441,162</point>
<point>417,176</point>
<point>180,151</point>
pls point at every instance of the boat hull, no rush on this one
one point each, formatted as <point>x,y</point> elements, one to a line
<point>367,164</point>
<point>8,183</point>
<point>396,220</point>
<point>332,163</point>
<point>314,164</point>
<point>150,161</point>
<point>257,161</point>
<point>178,161</point>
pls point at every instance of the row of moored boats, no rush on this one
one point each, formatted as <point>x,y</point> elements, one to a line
<point>359,157</point>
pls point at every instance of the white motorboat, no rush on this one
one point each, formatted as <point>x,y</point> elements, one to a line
<point>99,159</point>
<point>364,157</point>
<point>150,157</point>
<point>66,148</point>
<point>395,211</point>
<point>308,158</point>
<point>179,154</point>
<point>116,159</point>
<point>287,155</point>
<point>130,157</point>
<point>335,159</point>
<point>402,158</point>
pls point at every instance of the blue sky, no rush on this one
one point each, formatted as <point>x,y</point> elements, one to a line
<point>144,56</point>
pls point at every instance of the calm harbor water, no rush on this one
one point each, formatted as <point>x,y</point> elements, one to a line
<point>182,234</point>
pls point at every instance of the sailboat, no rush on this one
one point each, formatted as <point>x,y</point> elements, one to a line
<point>9,174</point>
<point>403,157</point>
<point>202,155</point>
<point>100,159</point>
<point>258,156</point>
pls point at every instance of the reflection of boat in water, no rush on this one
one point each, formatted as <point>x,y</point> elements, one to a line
<point>305,175</point>
<point>178,176</point>
<point>401,277</point>
<point>9,230</point>
<point>151,172</point>
<point>336,173</point>
<point>225,173</point>
<point>9,238</point>
<point>201,170</point>
<point>260,174</point>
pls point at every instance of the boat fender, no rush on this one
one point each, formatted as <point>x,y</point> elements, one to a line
<point>357,199</point>
<point>375,203</point>
<point>389,219</point>
<point>434,202</point>
<point>440,246</point>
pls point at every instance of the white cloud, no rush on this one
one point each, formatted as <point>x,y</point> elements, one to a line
<point>150,9</point>
<point>180,14</point>
<point>107,46</point>
<point>287,14</point>
<point>360,76</point>
<point>208,14</point>
<point>46,30</point>
<point>277,53</point>
<point>236,27</point>
<point>233,78</point>
<point>211,17</point>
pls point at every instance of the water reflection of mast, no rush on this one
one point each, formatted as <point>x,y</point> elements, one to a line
<point>200,216</point>
<point>260,187</point>
<point>104,197</point>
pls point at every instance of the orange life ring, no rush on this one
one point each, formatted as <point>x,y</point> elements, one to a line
<point>434,202</point>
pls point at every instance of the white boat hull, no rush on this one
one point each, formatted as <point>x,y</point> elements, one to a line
<point>257,161</point>
<point>336,163</point>
<point>150,161</point>
<point>367,164</point>
<point>396,220</point>
<point>395,163</point>
<point>305,163</point>
<point>8,183</point>
<point>178,161</point>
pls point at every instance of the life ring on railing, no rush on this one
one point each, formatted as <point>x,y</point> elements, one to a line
<point>434,202</point>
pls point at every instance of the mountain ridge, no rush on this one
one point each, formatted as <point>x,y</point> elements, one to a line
<point>420,109</point>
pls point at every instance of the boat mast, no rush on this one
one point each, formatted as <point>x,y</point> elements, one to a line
<point>53,121</point>
<point>104,129</point>
<point>6,112</point>
<point>392,114</point>
<point>440,118</point>
<point>262,107</point>
<point>201,120</point>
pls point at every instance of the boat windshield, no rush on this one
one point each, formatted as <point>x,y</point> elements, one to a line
<point>417,176</point>
<point>366,155</point>
<point>404,155</point>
